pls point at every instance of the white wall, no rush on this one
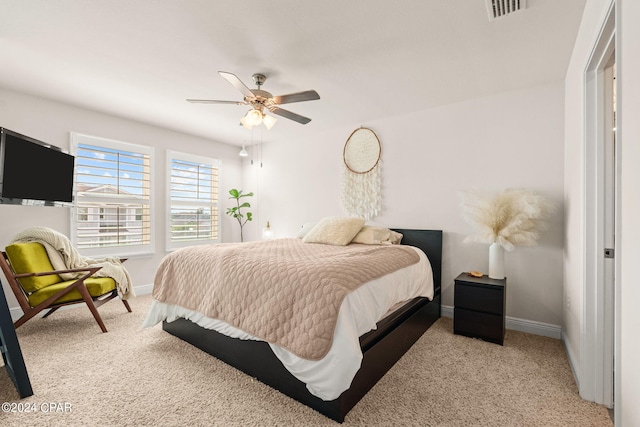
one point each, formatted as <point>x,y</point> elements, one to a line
<point>628,315</point>
<point>52,122</point>
<point>512,139</point>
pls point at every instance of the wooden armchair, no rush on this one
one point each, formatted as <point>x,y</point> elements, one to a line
<point>37,286</point>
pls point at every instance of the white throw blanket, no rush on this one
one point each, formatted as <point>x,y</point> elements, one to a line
<point>63,256</point>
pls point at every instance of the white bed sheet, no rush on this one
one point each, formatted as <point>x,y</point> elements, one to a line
<point>328,377</point>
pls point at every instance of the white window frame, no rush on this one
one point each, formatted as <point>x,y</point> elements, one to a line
<point>192,158</point>
<point>114,250</point>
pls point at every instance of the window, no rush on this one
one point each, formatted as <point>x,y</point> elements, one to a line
<point>193,213</point>
<point>112,213</point>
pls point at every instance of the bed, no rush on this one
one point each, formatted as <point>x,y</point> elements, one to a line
<point>380,347</point>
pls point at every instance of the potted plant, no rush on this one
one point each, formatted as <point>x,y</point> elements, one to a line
<point>237,212</point>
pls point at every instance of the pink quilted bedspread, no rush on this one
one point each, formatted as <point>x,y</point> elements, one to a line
<point>282,291</point>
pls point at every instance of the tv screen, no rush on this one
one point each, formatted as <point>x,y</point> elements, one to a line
<point>32,171</point>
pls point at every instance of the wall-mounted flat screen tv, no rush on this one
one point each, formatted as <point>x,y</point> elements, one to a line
<point>33,172</point>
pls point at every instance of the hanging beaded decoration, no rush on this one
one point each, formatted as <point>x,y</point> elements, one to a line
<point>361,189</point>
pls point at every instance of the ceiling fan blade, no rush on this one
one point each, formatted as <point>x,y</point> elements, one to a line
<point>237,83</point>
<point>290,115</point>
<point>213,101</point>
<point>308,95</point>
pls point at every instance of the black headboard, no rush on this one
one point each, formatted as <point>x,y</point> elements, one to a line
<point>430,242</point>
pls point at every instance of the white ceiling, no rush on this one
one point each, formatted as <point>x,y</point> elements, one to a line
<point>366,58</point>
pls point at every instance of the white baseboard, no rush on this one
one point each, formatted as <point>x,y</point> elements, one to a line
<point>522,325</point>
<point>572,360</point>
<point>143,289</point>
<point>16,312</point>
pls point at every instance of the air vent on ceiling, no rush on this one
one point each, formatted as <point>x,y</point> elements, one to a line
<point>500,8</point>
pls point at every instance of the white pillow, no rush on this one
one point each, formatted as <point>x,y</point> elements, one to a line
<point>372,235</point>
<point>306,227</point>
<point>334,230</point>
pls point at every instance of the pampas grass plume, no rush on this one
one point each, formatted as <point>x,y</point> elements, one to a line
<point>511,218</point>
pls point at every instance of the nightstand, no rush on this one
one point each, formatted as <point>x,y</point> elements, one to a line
<point>479,307</point>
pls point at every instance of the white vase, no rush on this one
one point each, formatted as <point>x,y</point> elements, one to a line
<point>496,261</point>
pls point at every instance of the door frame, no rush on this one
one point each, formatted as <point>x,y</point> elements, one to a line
<point>597,344</point>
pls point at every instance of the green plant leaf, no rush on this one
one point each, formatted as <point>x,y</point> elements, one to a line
<point>236,211</point>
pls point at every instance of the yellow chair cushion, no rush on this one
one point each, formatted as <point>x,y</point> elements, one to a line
<point>96,286</point>
<point>31,258</point>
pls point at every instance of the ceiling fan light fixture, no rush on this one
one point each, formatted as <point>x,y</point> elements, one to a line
<point>254,117</point>
<point>245,122</point>
<point>243,152</point>
<point>269,121</point>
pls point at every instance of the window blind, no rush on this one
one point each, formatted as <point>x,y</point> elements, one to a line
<point>194,205</point>
<point>113,196</point>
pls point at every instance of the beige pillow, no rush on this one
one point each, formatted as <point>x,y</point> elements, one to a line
<point>304,230</point>
<point>372,235</point>
<point>334,230</point>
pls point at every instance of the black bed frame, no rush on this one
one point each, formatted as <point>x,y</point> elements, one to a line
<point>381,348</point>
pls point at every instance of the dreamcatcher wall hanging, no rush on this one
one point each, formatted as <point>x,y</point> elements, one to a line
<point>361,189</point>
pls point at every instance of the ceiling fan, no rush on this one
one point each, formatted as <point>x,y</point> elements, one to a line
<point>262,100</point>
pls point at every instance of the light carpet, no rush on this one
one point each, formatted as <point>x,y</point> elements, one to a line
<point>145,377</point>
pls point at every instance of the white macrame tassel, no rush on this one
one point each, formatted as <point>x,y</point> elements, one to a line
<point>361,195</point>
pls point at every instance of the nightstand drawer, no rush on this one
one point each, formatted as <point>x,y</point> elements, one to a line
<point>489,327</point>
<point>479,297</point>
